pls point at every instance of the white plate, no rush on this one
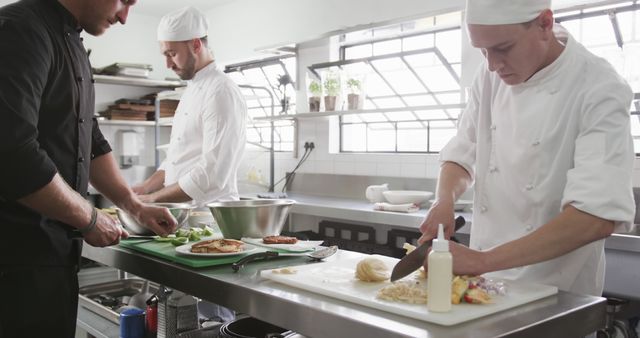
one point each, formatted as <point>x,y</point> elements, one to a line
<point>300,246</point>
<point>186,250</point>
<point>460,205</point>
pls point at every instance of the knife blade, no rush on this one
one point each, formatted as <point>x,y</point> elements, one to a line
<point>414,260</point>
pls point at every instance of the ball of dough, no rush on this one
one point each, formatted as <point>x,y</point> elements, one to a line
<point>372,270</point>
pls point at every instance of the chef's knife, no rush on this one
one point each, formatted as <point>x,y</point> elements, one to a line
<point>414,260</point>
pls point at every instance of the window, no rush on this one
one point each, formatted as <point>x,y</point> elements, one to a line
<point>262,84</point>
<point>411,76</point>
<point>612,32</point>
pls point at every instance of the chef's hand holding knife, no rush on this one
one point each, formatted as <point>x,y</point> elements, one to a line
<point>465,260</point>
<point>107,231</point>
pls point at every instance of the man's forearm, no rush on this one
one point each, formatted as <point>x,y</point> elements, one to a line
<point>453,181</point>
<point>105,176</point>
<point>569,231</point>
<point>58,201</point>
<point>171,193</point>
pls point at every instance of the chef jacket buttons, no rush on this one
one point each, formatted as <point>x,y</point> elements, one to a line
<point>493,169</point>
<point>81,120</point>
<point>493,127</point>
<point>529,227</point>
<point>81,159</point>
<point>483,209</point>
<point>529,186</point>
<point>535,143</point>
<point>79,78</point>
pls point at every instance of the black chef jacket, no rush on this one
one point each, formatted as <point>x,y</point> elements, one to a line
<point>46,127</point>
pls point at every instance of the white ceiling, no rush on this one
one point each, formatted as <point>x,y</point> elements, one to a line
<point>158,8</point>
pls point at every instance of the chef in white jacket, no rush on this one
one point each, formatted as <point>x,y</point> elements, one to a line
<point>545,141</point>
<point>209,127</point>
<point>208,134</point>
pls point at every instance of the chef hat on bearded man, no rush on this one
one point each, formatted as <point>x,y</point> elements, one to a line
<point>183,24</point>
<point>503,12</point>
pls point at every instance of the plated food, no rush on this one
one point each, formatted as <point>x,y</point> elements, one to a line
<point>279,240</point>
<point>217,246</point>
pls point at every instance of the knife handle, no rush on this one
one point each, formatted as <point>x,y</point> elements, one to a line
<point>460,222</point>
<point>253,257</point>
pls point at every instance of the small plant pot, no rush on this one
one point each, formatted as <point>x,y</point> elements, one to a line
<point>353,101</point>
<point>314,104</point>
<point>330,103</point>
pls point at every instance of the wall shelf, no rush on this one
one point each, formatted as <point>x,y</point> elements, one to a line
<point>139,82</point>
<point>358,111</point>
<point>162,123</point>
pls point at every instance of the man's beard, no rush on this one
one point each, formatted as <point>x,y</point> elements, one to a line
<point>189,68</point>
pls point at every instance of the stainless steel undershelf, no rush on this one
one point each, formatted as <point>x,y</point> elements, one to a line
<point>96,325</point>
<point>320,316</point>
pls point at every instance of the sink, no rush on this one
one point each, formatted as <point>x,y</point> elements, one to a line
<point>106,298</point>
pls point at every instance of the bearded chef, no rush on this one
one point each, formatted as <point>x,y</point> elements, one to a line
<point>545,141</point>
<point>209,128</point>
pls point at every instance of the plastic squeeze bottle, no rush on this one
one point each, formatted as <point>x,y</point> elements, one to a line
<point>440,274</point>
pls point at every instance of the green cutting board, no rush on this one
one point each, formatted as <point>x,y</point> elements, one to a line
<point>167,251</point>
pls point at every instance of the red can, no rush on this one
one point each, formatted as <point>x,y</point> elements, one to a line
<point>151,320</point>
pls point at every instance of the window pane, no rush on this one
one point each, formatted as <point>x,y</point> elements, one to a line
<point>388,103</point>
<point>259,103</point>
<point>373,117</point>
<point>437,114</point>
<point>387,47</point>
<point>437,78</point>
<point>357,52</point>
<point>421,100</point>
<point>439,134</point>
<point>625,23</point>
<point>375,86</point>
<point>406,81</point>
<point>354,137</point>
<point>382,139</point>
<point>412,139</point>
<point>417,42</point>
<point>597,30</point>
<point>450,45</point>
<point>402,116</point>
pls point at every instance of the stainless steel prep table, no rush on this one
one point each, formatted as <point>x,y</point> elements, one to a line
<point>320,316</point>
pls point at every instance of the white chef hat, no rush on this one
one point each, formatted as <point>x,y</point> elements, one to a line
<point>183,24</point>
<point>503,12</point>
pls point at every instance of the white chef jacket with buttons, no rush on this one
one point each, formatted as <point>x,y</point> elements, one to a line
<point>561,138</point>
<point>207,138</point>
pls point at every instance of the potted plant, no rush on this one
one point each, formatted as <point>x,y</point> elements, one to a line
<point>353,98</point>
<point>332,88</point>
<point>315,89</point>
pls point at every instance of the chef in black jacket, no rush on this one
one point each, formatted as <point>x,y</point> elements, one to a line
<point>51,148</point>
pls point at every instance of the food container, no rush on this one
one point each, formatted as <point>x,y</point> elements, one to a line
<point>180,211</point>
<point>407,196</point>
<point>251,218</point>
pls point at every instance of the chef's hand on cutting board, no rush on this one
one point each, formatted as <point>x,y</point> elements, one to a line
<point>466,261</point>
<point>440,212</point>
<point>106,231</point>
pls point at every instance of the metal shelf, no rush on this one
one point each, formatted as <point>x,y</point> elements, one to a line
<point>139,82</point>
<point>135,123</point>
<point>358,111</point>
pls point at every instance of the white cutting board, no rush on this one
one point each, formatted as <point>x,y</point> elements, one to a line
<point>336,279</point>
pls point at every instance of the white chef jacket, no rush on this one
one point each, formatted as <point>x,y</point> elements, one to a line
<point>561,138</point>
<point>207,138</point>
